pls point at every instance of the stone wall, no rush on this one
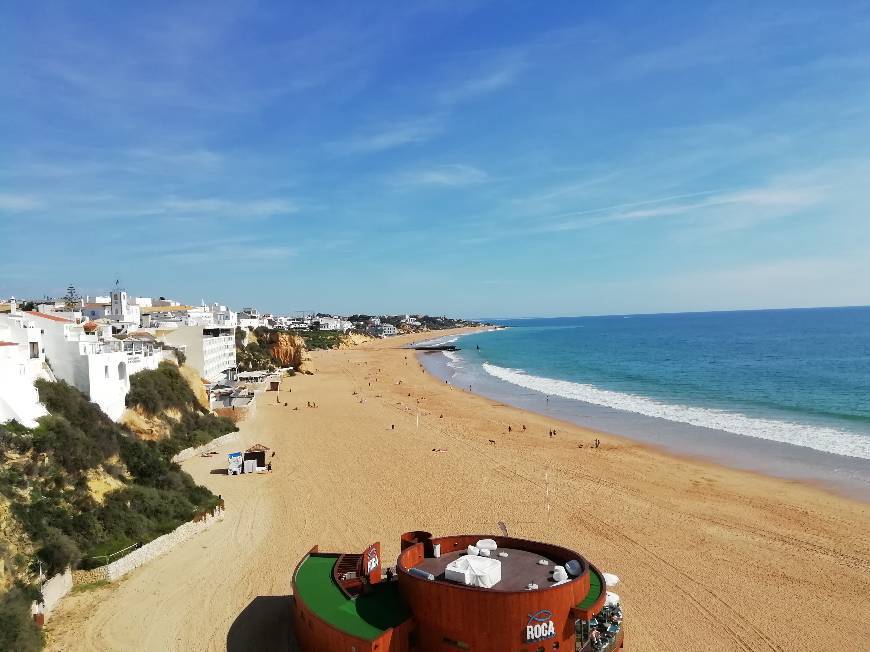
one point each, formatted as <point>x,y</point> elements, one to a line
<point>90,576</point>
<point>187,453</point>
<point>117,569</point>
<point>120,567</point>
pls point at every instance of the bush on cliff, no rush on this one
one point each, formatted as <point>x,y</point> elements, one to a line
<point>47,477</point>
<point>18,632</point>
<point>58,551</point>
<point>155,390</point>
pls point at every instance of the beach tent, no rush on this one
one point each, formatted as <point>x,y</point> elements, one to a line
<point>257,455</point>
<point>610,580</point>
<point>483,572</point>
<point>611,600</point>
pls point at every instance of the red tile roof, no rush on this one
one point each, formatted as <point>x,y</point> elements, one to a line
<point>51,317</point>
<point>8,343</point>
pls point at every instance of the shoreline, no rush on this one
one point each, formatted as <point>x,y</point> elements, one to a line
<point>843,476</point>
<point>687,537</point>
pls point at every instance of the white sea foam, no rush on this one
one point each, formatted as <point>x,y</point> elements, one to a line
<point>454,359</point>
<point>829,440</point>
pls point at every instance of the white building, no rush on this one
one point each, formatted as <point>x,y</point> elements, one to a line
<point>97,367</point>
<point>383,330</point>
<point>223,317</point>
<point>332,324</point>
<point>249,318</point>
<point>121,311</point>
<point>143,302</point>
<point>209,350</point>
<point>60,309</point>
<point>22,362</point>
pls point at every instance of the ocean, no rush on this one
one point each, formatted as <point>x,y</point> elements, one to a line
<point>781,391</point>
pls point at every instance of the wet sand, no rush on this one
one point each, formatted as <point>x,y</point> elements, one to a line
<point>710,558</point>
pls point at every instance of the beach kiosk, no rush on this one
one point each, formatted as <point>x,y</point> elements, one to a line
<point>466,592</point>
<point>255,459</point>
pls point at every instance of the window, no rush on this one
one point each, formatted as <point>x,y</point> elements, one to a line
<point>34,349</point>
<point>107,371</point>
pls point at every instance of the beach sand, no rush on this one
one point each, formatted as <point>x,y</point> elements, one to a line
<point>710,558</point>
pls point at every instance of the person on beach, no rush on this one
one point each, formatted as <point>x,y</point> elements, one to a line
<point>524,427</point>
<point>509,429</point>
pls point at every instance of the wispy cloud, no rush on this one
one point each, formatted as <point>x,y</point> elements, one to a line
<point>778,199</point>
<point>398,135</point>
<point>219,207</point>
<point>487,82</point>
<point>453,176</point>
<point>11,203</point>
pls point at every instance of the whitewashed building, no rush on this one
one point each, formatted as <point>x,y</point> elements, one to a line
<point>95,366</point>
<point>22,362</point>
<point>223,317</point>
<point>121,311</point>
<point>60,309</point>
<point>332,324</point>
<point>383,330</point>
<point>249,318</point>
<point>209,350</point>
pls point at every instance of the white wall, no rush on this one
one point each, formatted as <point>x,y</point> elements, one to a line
<point>54,589</point>
<point>210,355</point>
<point>83,361</point>
<point>19,340</point>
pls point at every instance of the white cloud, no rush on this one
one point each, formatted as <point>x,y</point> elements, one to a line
<point>398,135</point>
<point>217,207</point>
<point>444,175</point>
<point>12,203</point>
<point>486,83</point>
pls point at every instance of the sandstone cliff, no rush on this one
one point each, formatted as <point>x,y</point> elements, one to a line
<point>286,349</point>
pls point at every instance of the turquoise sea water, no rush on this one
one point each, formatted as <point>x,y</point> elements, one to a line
<point>797,377</point>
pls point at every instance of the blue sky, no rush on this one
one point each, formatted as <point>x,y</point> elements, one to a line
<point>480,159</point>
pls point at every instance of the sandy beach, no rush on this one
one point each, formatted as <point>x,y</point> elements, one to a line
<point>710,558</point>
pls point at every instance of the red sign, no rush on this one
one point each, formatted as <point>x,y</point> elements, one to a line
<point>371,562</point>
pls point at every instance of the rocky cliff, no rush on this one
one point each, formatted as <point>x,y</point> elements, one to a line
<point>286,349</point>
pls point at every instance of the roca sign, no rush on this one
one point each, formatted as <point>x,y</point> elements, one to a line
<point>372,560</point>
<point>540,626</point>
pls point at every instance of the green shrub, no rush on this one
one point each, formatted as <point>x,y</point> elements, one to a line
<point>61,399</point>
<point>155,390</point>
<point>18,632</point>
<point>71,448</point>
<point>58,551</point>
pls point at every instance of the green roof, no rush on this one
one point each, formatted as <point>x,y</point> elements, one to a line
<point>366,616</point>
<point>594,590</point>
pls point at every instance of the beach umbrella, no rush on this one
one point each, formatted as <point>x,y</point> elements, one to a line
<point>610,579</point>
<point>611,600</point>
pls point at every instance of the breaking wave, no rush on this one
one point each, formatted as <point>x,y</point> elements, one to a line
<point>826,439</point>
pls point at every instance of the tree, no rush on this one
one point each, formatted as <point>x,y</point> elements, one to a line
<point>71,300</point>
<point>59,552</point>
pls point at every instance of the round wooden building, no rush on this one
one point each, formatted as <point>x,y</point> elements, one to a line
<point>467,592</point>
